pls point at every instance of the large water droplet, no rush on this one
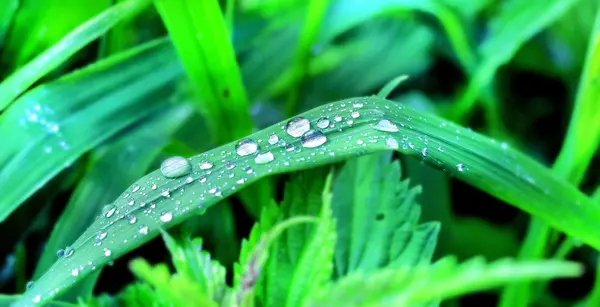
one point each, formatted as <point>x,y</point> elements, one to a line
<point>264,157</point>
<point>108,210</point>
<point>68,252</point>
<point>246,147</point>
<point>323,122</point>
<point>273,139</point>
<point>143,229</point>
<point>297,127</point>
<point>206,165</point>
<point>175,167</point>
<point>166,216</point>
<point>313,138</point>
<point>386,126</point>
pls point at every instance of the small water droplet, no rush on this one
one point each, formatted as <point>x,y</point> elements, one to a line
<point>36,299</point>
<point>132,219</point>
<point>264,157</point>
<point>206,165</point>
<point>313,138</point>
<point>131,202</point>
<point>323,122</point>
<point>355,114</point>
<point>189,179</point>
<point>202,179</point>
<point>460,167</point>
<point>248,170</point>
<point>135,188</point>
<point>386,126</point>
<point>75,272</point>
<point>166,216</point>
<point>175,167</point>
<point>153,186</point>
<point>358,105</point>
<point>391,143</point>
<point>101,235</point>
<point>273,139</point>
<point>246,147</point>
<point>143,229</point>
<point>297,127</point>
<point>337,118</point>
<point>424,152</point>
<point>240,181</point>
<point>289,147</point>
<point>109,210</point>
<point>60,253</point>
<point>29,285</point>
<point>349,122</point>
<point>230,165</point>
<point>69,252</point>
<point>107,252</point>
<point>166,193</point>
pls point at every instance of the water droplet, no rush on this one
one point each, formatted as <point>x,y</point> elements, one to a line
<point>189,179</point>
<point>313,138</point>
<point>350,122</point>
<point>424,152</point>
<point>386,126</point>
<point>36,299</point>
<point>240,181</point>
<point>273,139</point>
<point>289,147</point>
<point>68,252</point>
<point>248,170</point>
<point>131,202</point>
<point>60,253</point>
<point>143,229</point>
<point>460,167</point>
<point>264,157</point>
<point>202,179</point>
<point>108,210</point>
<point>166,216</point>
<point>75,272</point>
<point>391,143</point>
<point>230,165</point>
<point>206,165</point>
<point>135,188</point>
<point>107,252</point>
<point>337,118</point>
<point>101,235</point>
<point>323,122</point>
<point>297,127</point>
<point>132,219</point>
<point>175,167</point>
<point>246,147</point>
<point>29,285</point>
<point>153,186</point>
<point>358,105</point>
<point>355,114</point>
<point>166,193</point>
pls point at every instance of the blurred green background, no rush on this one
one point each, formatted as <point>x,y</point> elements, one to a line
<point>107,115</point>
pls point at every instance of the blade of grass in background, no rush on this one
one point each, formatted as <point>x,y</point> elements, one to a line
<point>22,79</point>
<point>362,125</point>
<point>111,169</point>
<point>203,42</point>
<point>579,147</point>
<point>312,24</point>
<point>508,31</point>
<point>7,12</point>
<point>52,125</point>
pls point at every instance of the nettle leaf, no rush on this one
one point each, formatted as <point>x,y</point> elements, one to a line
<point>301,259</point>
<point>324,135</point>
<point>377,217</point>
<point>423,284</point>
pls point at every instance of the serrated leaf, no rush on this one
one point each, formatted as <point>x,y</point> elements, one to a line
<point>301,258</point>
<point>362,125</point>
<point>22,79</point>
<point>60,121</point>
<point>420,285</point>
<point>377,217</point>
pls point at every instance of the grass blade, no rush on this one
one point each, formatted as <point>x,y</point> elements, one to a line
<point>18,82</point>
<point>7,11</point>
<point>53,130</point>
<point>355,126</point>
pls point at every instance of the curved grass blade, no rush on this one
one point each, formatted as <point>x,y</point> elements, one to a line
<point>18,82</point>
<point>60,121</point>
<point>340,130</point>
<point>7,12</point>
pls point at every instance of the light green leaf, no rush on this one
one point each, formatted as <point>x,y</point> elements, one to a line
<point>420,285</point>
<point>22,79</point>
<point>377,218</point>
<point>53,125</point>
<point>357,126</point>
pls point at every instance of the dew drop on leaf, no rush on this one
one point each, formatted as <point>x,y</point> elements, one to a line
<point>264,157</point>
<point>355,114</point>
<point>312,139</point>
<point>154,186</point>
<point>337,118</point>
<point>60,253</point>
<point>273,139</point>
<point>289,147</point>
<point>297,127</point>
<point>107,252</point>
<point>29,285</point>
<point>143,229</point>
<point>175,167</point>
<point>132,219</point>
<point>166,216</point>
<point>248,170</point>
<point>108,210</point>
<point>230,165</point>
<point>135,188</point>
<point>391,143</point>
<point>68,252</point>
<point>386,126</point>
<point>323,122</point>
<point>460,167</point>
<point>206,165</point>
<point>101,235</point>
<point>75,272</point>
<point>246,147</point>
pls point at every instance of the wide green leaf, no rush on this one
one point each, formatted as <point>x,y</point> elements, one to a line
<point>340,130</point>
<point>50,127</point>
<point>377,217</point>
<point>22,79</point>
